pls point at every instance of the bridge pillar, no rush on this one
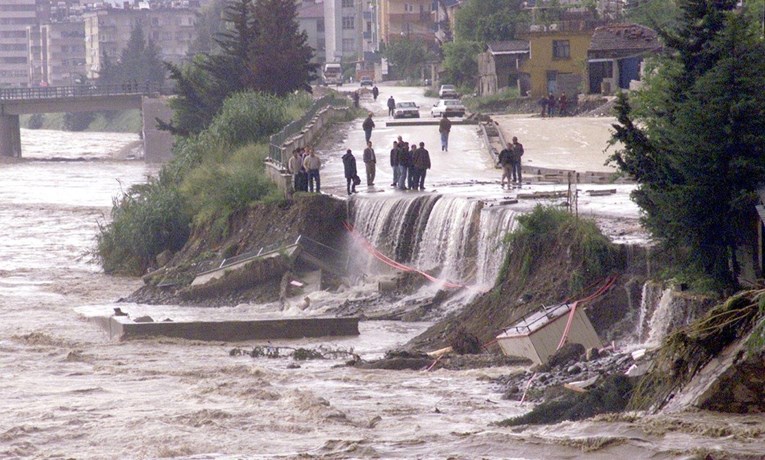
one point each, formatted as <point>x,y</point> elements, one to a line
<point>10,136</point>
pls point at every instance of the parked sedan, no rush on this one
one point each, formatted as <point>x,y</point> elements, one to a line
<point>406,110</point>
<point>450,107</point>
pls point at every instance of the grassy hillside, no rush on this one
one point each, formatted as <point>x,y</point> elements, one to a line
<point>122,121</point>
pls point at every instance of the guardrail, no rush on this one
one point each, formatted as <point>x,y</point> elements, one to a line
<point>276,140</point>
<point>59,92</point>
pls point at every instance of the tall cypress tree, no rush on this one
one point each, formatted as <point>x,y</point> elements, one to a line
<point>695,140</point>
<point>282,51</point>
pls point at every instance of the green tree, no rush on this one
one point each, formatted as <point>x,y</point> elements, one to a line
<point>281,51</point>
<point>140,60</point>
<point>489,20</point>
<point>407,56</point>
<point>261,50</point>
<point>460,61</point>
<point>695,139</point>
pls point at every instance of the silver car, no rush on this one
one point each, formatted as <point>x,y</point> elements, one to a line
<point>406,110</point>
<point>450,107</point>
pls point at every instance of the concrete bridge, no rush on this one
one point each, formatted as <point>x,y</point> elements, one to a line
<point>21,101</point>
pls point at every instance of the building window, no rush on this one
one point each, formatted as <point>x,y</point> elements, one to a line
<point>561,49</point>
<point>349,45</point>
<point>320,25</point>
<point>348,22</point>
<point>347,3</point>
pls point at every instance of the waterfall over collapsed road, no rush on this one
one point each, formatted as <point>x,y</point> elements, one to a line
<point>68,391</point>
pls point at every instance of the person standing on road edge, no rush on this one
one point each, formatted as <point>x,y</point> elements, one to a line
<point>368,125</point>
<point>294,165</point>
<point>349,168</point>
<point>370,162</point>
<point>375,92</point>
<point>517,153</point>
<point>412,180</point>
<point>391,106</point>
<point>394,162</point>
<point>505,162</point>
<point>404,158</point>
<point>551,105</point>
<point>444,127</point>
<point>421,162</point>
<point>312,164</point>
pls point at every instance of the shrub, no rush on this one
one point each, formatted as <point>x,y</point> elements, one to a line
<point>216,189</point>
<point>146,220</point>
<point>590,253</point>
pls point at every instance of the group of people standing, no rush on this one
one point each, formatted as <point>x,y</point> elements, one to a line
<point>510,161</point>
<point>304,166</point>
<point>552,106</point>
<point>410,165</point>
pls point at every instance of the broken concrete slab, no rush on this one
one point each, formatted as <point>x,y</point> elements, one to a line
<point>123,328</point>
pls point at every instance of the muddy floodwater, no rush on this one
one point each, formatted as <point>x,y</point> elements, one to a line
<point>68,391</point>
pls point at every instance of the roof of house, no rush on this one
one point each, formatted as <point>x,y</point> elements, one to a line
<point>508,47</point>
<point>624,37</point>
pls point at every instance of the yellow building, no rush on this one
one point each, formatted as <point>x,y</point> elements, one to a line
<point>557,57</point>
<point>406,18</point>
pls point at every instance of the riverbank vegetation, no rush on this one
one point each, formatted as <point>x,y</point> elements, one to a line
<point>226,109</point>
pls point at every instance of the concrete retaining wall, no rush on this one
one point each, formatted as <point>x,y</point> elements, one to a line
<point>312,131</point>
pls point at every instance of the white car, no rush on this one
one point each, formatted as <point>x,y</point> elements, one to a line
<point>406,110</point>
<point>450,107</point>
<point>448,92</point>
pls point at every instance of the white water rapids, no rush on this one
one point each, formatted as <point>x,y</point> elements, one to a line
<point>66,391</point>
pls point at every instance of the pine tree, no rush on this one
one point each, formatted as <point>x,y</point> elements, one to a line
<point>695,141</point>
<point>282,51</point>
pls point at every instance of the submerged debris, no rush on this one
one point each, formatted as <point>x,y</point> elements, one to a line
<point>297,354</point>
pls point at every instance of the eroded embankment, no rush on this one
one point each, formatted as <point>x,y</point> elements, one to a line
<point>262,225</point>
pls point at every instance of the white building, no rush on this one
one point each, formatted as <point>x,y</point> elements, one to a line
<point>344,28</point>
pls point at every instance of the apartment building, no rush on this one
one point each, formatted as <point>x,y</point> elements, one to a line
<point>63,52</point>
<point>411,19</point>
<point>16,18</point>
<point>108,31</point>
<point>343,28</point>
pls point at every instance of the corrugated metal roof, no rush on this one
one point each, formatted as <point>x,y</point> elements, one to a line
<point>508,47</point>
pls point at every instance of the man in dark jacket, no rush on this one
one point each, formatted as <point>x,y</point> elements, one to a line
<point>412,180</point>
<point>368,125</point>
<point>505,162</point>
<point>404,161</point>
<point>444,127</point>
<point>421,160</point>
<point>349,167</point>
<point>375,92</point>
<point>391,106</point>
<point>394,163</point>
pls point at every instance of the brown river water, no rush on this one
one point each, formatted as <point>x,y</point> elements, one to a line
<point>67,391</point>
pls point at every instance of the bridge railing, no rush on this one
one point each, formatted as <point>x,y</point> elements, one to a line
<point>59,92</point>
<point>278,139</point>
